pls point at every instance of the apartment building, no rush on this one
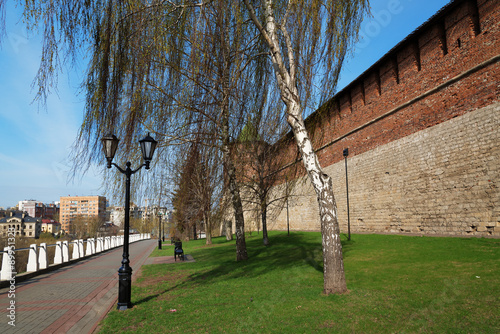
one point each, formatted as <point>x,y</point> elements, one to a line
<point>38,209</point>
<point>87,206</point>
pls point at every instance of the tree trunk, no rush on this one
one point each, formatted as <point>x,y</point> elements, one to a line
<point>241,248</point>
<point>263,211</point>
<point>208,229</point>
<point>228,228</point>
<point>286,76</point>
<point>333,264</point>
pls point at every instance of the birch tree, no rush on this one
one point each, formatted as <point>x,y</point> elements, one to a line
<point>307,42</point>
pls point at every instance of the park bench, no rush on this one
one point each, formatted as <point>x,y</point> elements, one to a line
<point>178,251</point>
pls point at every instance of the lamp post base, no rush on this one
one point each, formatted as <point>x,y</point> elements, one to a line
<point>124,288</point>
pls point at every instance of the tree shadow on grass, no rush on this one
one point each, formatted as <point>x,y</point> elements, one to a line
<point>217,264</point>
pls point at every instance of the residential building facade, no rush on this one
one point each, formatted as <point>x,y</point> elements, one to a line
<point>38,209</point>
<point>85,206</point>
<point>21,224</point>
<point>51,226</point>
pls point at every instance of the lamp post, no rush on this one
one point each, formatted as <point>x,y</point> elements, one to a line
<point>159,229</point>
<point>148,146</point>
<point>163,225</point>
<point>346,153</point>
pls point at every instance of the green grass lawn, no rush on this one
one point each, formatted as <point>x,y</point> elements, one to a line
<point>397,284</point>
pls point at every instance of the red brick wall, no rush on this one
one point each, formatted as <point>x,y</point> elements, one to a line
<point>470,31</point>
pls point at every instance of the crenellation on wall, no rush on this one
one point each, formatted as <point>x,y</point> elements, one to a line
<point>371,87</point>
<point>406,63</point>
<point>356,95</point>
<point>473,13</point>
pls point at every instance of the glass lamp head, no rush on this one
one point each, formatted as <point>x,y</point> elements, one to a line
<point>148,146</point>
<point>110,144</point>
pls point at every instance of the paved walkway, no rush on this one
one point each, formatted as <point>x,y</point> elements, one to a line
<point>72,299</point>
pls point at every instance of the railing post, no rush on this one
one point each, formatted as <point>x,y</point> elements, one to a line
<point>88,251</point>
<point>6,272</point>
<point>65,251</point>
<point>58,254</point>
<point>99,245</point>
<point>80,248</point>
<point>106,243</point>
<point>76,253</point>
<point>42,256</point>
<point>32,259</point>
<point>113,241</point>
<point>93,246</point>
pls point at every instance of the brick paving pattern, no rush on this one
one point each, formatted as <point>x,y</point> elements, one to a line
<point>72,299</point>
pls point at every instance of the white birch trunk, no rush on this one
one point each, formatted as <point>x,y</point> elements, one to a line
<point>333,267</point>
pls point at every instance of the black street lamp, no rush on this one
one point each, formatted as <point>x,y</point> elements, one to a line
<point>148,146</point>
<point>346,153</point>
<point>163,225</point>
<point>159,229</point>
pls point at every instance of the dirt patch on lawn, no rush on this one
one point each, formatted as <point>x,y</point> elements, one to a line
<point>172,278</point>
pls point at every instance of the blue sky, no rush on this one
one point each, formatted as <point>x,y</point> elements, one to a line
<point>35,143</point>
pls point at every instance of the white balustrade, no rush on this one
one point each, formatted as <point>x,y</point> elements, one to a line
<point>76,251</point>
<point>38,259</point>
<point>65,251</point>
<point>42,256</point>
<point>58,253</point>
<point>32,259</point>
<point>7,264</point>
<point>80,247</point>
<point>99,245</point>
<point>88,250</point>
